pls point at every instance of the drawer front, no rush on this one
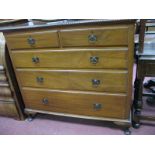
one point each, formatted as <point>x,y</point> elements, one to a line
<point>81,103</point>
<point>33,40</point>
<point>110,36</point>
<point>90,80</point>
<point>83,58</point>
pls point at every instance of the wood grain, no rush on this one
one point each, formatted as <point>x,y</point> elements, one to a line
<point>109,36</point>
<point>67,71</point>
<point>8,109</point>
<point>75,102</point>
<point>110,81</point>
<point>5,91</point>
<point>130,69</point>
<point>42,39</point>
<point>7,99</point>
<point>72,58</point>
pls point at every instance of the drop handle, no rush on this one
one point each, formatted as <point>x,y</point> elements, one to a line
<point>40,79</point>
<point>31,41</point>
<point>45,101</point>
<point>35,59</point>
<point>92,38</point>
<point>97,106</point>
<point>96,82</point>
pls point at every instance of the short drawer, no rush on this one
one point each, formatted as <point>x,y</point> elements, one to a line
<point>71,58</point>
<point>43,39</point>
<point>108,36</point>
<point>80,103</point>
<point>87,80</point>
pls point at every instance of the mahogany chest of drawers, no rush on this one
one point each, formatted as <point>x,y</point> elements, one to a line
<point>78,70</point>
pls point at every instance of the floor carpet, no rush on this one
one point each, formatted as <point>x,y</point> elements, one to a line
<point>54,125</point>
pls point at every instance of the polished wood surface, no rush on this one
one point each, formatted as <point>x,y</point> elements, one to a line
<point>41,39</point>
<point>5,91</point>
<point>8,108</point>
<point>65,73</point>
<point>38,24</point>
<point>72,58</point>
<point>7,100</point>
<point>109,36</point>
<point>82,103</point>
<point>16,94</point>
<point>142,35</point>
<point>109,80</point>
<point>130,56</point>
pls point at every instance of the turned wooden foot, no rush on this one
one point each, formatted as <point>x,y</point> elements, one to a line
<point>135,119</point>
<point>30,117</point>
<point>125,126</point>
<point>136,125</point>
<point>127,131</point>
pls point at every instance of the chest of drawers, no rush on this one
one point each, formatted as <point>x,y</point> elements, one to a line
<point>82,70</point>
<point>9,105</point>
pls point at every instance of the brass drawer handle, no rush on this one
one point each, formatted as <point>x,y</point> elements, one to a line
<point>97,106</point>
<point>94,59</point>
<point>96,82</point>
<point>45,100</point>
<point>40,79</point>
<point>35,59</point>
<point>31,41</point>
<point>92,38</point>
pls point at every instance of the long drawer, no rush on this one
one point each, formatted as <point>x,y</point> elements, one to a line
<point>74,102</point>
<point>29,40</point>
<point>72,58</point>
<point>103,36</point>
<point>88,80</point>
